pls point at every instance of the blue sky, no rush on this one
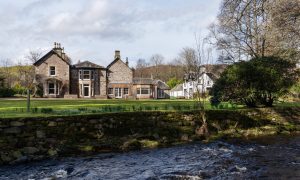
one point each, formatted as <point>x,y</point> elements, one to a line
<point>93,29</point>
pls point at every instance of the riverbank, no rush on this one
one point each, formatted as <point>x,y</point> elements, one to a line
<point>27,139</point>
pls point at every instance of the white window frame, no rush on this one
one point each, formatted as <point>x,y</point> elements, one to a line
<point>54,88</point>
<point>89,73</point>
<point>52,71</point>
<point>141,89</point>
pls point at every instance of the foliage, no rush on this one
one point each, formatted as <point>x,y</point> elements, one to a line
<point>19,89</point>
<point>6,92</point>
<point>173,82</point>
<point>260,80</point>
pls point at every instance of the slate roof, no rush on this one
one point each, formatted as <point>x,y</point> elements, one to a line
<point>88,64</point>
<point>160,84</point>
<point>178,87</point>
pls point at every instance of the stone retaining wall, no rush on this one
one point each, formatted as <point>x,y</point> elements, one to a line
<point>26,139</point>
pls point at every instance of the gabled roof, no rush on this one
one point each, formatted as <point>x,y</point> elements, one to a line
<point>212,76</point>
<point>161,85</point>
<point>116,60</point>
<point>178,87</point>
<point>50,53</point>
<point>88,64</point>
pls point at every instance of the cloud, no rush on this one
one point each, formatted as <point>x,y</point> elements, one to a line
<point>102,23</point>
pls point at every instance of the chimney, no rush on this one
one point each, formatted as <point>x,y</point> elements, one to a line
<point>127,63</point>
<point>117,54</point>
<point>58,49</point>
<point>63,53</point>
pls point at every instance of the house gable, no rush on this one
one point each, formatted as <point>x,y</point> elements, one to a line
<point>119,72</point>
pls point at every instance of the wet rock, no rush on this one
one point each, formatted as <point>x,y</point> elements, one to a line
<point>17,154</point>
<point>131,145</point>
<point>184,137</point>
<point>30,150</point>
<point>52,152</point>
<point>5,158</point>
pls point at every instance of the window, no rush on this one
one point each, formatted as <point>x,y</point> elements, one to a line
<point>125,90</point>
<point>86,74</point>
<point>80,74</point>
<point>51,88</point>
<point>110,90</point>
<point>52,71</point>
<point>160,93</point>
<point>208,83</point>
<point>138,91</point>
<point>145,91</point>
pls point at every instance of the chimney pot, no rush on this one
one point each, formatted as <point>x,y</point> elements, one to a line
<point>127,63</point>
<point>117,54</point>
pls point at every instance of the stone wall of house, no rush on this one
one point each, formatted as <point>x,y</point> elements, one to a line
<point>62,72</point>
<point>103,83</point>
<point>119,72</point>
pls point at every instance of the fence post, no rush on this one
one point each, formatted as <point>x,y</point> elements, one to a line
<point>28,100</point>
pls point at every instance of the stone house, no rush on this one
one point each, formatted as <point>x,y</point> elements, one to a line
<point>53,73</point>
<point>58,78</point>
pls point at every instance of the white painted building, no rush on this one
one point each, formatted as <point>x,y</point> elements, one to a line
<point>177,91</point>
<point>192,84</point>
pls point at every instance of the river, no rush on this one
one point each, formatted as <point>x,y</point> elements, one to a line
<point>268,158</point>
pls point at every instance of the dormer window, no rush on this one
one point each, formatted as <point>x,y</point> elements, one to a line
<point>52,71</point>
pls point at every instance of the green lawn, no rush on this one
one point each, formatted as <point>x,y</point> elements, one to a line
<point>63,107</point>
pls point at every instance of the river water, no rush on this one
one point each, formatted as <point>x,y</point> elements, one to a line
<point>273,158</point>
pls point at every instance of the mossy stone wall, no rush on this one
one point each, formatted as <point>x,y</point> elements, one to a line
<point>27,139</point>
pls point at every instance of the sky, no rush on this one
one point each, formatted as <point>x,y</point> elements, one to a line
<point>93,29</point>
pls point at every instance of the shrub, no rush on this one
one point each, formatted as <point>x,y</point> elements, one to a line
<point>7,92</point>
<point>46,110</point>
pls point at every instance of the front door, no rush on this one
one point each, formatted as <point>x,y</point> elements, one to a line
<point>86,90</point>
<point>118,92</point>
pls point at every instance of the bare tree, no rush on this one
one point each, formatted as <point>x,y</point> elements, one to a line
<point>203,58</point>
<point>156,60</point>
<point>255,28</point>
<point>141,63</point>
<point>34,55</point>
<point>189,60</point>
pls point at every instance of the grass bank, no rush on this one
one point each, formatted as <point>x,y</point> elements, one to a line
<point>61,107</point>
